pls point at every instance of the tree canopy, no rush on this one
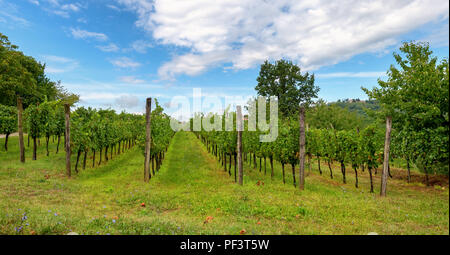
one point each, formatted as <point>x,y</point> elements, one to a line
<point>284,80</point>
<point>23,76</point>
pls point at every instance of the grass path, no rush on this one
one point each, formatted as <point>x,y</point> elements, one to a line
<point>191,194</point>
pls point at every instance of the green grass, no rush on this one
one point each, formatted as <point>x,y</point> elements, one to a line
<point>190,186</point>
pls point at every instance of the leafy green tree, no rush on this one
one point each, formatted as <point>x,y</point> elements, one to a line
<point>284,80</point>
<point>23,76</point>
<point>416,95</point>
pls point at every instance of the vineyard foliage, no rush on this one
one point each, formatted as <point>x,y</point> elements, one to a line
<point>101,132</point>
<point>358,149</point>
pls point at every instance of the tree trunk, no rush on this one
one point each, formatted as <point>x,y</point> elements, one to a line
<point>93,160</point>
<point>20,127</point>
<point>239,143</point>
<point>229,169</point>
<point>148,139</point>
<point>34,147</point>
<point>235,164</point>
<point>371,181</point>
<point>331,171</point>
<point>318,164</point>
<point>67,140</point>
<point>46,145</point>
<point>254,160</point>
<point>389,170</point>
<point>78,158</point>
<point>100,155</point>
<point>387,142</point>
<point>106,153</point>
<point>409,170</point>
<point>153,165</point>
<point>271,167</point>
<point>260,165</point>
<point>343,172</point>
<point>301,170</point>
<point>282,167</point>
<point>6,141</point>
<point>57,145</point>
<point>225,162</point>
<point>293,174</point>
<point>84,159</point>
<point>356,176</point>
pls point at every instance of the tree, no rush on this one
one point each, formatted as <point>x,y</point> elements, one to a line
<point>416,96</point>
<point>22,75</point>
<point>284,80</point>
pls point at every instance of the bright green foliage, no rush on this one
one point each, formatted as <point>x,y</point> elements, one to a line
<point>284,80</point>
<point>323,115</point>
<point>34,121</point>
<point>371,146</point>
<point>23,76</point>
<point>8,119</point>
<point>161,132</point>
<point>416,95</point>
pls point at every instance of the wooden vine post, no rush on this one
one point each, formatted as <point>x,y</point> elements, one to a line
<point>387,142</point>
<point>67,139</point>
<point>20,128</point>
<point>148,139</point>
<point>239,128</point>
<point>301,181</point>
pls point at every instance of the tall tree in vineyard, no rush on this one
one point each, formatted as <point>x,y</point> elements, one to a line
<point>416,95</point>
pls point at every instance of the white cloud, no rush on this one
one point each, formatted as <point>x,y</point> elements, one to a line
<point>83,34</point>
<point>57,64</point>
<point>63,10</point>
<point>35,2</point>
<point>10,15</point>
<point>351,75</point>
<point>438,37</point>
<point>113,7</point>
<point>141,46</point>
<point>109,48</point>
<point>131,80</point>
<point>82,20</point>
<point>312,33</point>
<point>127,101</point>
<point>125,62</point>
<point>70,7</point>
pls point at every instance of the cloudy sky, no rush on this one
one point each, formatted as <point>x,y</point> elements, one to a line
<point>115,53</point>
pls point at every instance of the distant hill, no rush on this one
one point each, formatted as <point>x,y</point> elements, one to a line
<point>357,105</point>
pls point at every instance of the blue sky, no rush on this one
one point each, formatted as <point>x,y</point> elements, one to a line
<point>115,53</point>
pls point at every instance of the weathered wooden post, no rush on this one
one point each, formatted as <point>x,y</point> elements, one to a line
<point>239,128</point>
<point>19,117</point>
<point>148,139</point>
<point>67,139</point>
<point>301,180</point>
<point>387,142</point>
